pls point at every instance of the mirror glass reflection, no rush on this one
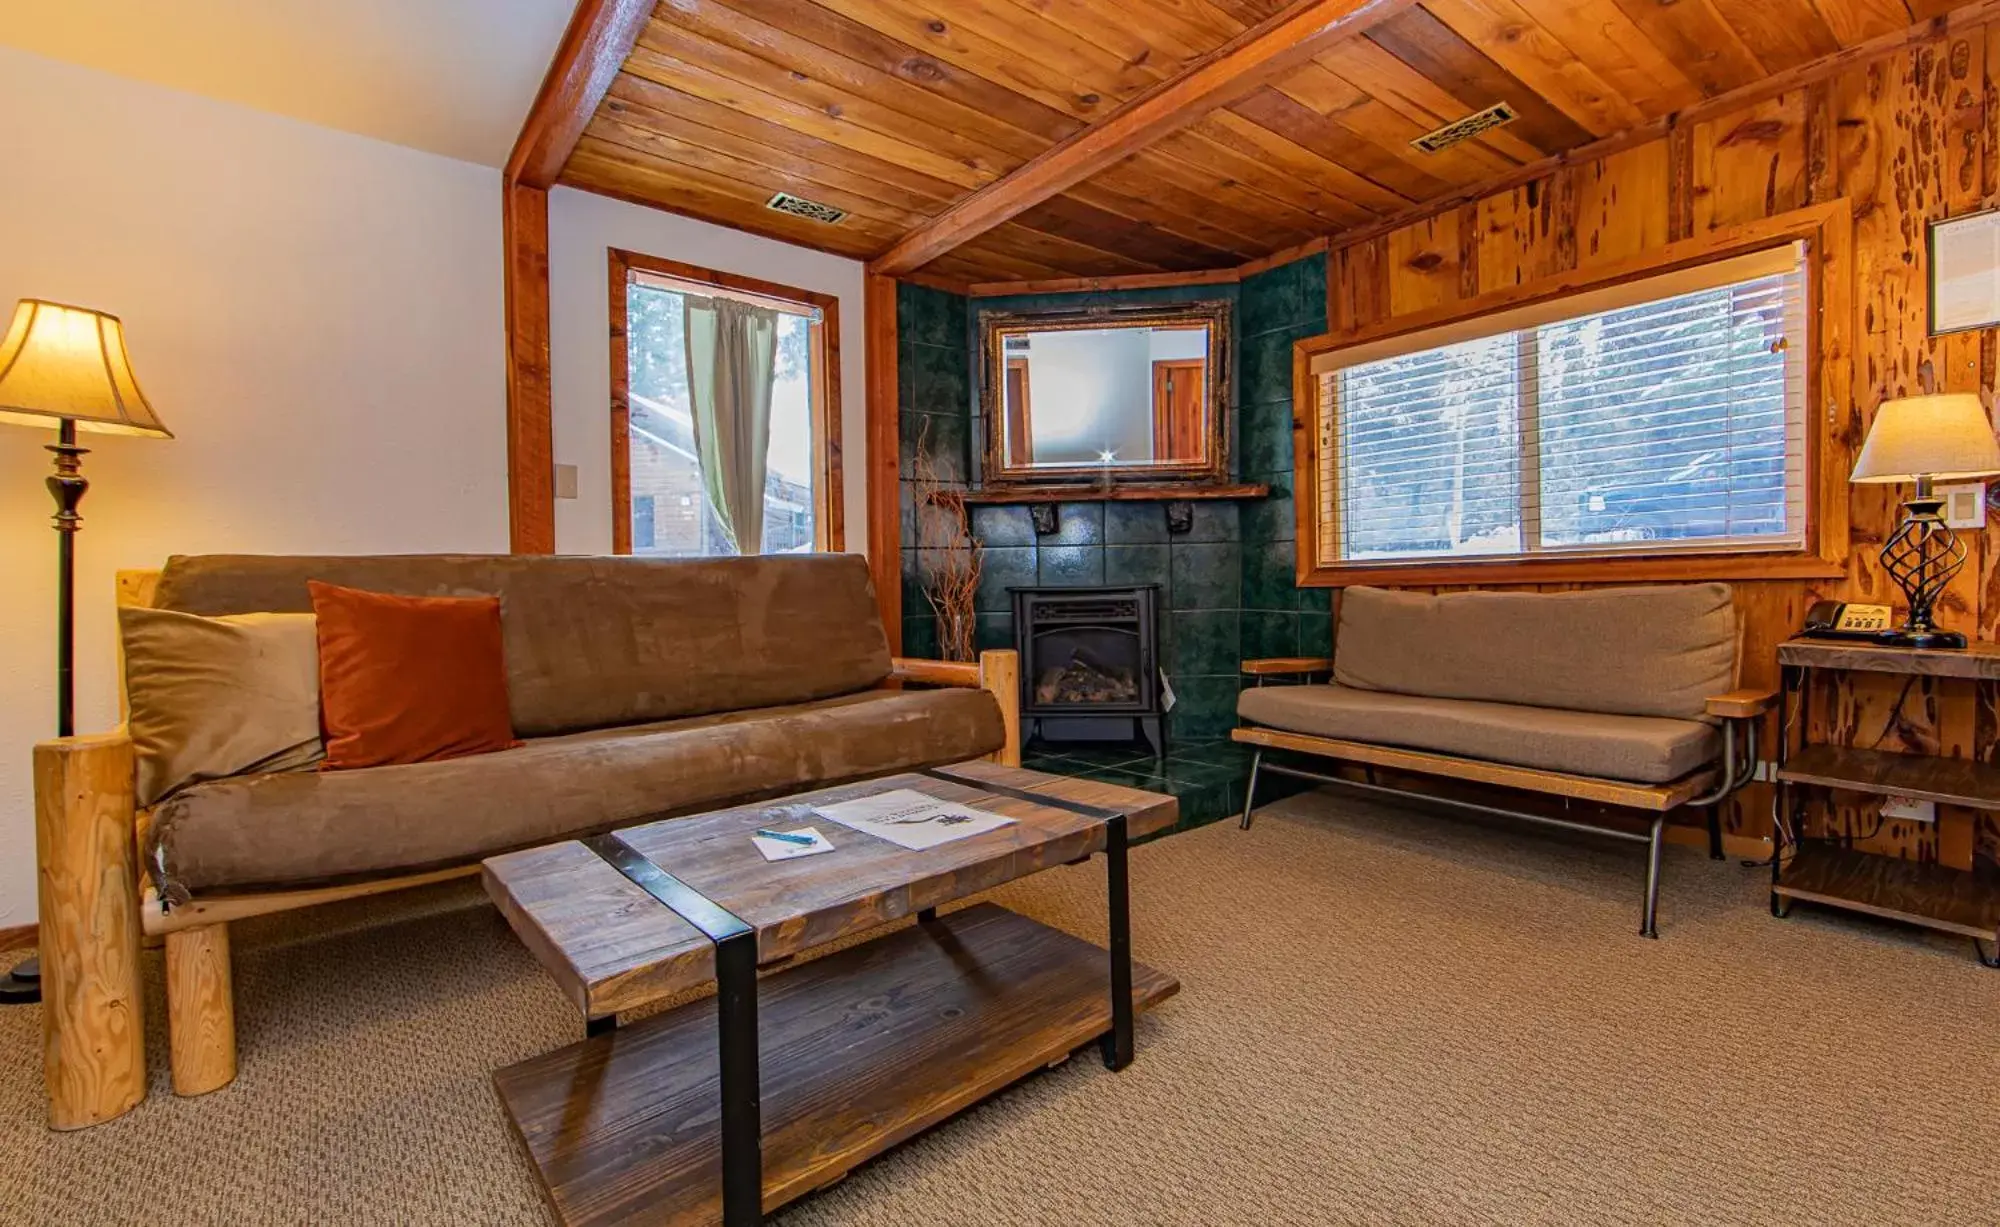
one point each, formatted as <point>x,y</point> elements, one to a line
<point>1108,397</point>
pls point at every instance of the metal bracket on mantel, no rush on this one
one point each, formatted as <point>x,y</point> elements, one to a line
<point>1044,516</point>
<point>1180,517</point>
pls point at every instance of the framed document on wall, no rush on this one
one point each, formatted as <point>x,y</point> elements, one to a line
<point>1965,272</point>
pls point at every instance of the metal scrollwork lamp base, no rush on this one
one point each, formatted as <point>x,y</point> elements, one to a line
<point>1922,556</point>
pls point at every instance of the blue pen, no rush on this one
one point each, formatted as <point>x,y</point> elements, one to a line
<point>804,841</point>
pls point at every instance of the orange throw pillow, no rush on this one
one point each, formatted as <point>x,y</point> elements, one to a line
<point>406,679</point>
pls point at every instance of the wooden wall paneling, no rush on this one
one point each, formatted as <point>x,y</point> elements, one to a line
<point>1360,285</point>
<point>884,409</point>
<point>1750,163</point>
<point>530,410</point>
<point>1468,251</point>
<point>1423,265</point>
<point>1621,205</point>
<point>1680,182</point>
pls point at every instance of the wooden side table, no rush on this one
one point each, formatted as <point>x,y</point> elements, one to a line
<point>1832,871</point>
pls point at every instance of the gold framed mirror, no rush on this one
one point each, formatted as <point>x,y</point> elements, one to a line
<point>1108,395</point>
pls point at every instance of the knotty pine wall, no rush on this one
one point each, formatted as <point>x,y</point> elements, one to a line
<point>1906,139</point>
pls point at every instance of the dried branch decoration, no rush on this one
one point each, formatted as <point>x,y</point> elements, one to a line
<point>947,555</point>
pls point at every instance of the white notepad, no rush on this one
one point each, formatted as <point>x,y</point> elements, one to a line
<point>779,850</point>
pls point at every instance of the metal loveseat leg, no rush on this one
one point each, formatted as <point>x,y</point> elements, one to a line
<point>1649,927</point>
<point>1250,789</point>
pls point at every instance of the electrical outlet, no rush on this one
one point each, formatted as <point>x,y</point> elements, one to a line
<point>565,481</point>
<point>1964,504</point>
<point>1909,810</point>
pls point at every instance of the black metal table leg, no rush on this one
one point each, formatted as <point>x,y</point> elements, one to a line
<point>926,915</point>
<point>1118,1044</point>
<point>742,1101</point>
<point>740,1087</point>
<point>593,1027</point>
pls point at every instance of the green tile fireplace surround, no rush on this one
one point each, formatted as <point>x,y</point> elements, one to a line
<point>1225,585</point>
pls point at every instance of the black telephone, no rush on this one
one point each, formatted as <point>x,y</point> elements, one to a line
<point>1840,620</point>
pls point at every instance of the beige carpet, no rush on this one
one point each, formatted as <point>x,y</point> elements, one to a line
<point>1386,1017</point>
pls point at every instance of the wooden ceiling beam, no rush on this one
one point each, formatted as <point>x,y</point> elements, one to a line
<point>601,34</point>
<point>1233,71</point>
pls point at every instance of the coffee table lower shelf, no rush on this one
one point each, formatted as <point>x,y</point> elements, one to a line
<point>859,1050</point>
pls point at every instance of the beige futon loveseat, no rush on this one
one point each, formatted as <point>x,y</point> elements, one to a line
<point>639,688</point>
<point>1624,697</point>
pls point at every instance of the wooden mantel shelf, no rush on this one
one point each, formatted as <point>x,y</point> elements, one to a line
<point>1117,494</point>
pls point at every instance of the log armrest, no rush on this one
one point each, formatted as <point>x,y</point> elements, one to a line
<point>1277,666</point>
<point>998,672</point>
<point>1745,704</point>
<point>93,1033</point>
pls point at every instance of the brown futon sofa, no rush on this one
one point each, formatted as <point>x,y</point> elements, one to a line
<point>1624,697</point>
<point>639,688</point>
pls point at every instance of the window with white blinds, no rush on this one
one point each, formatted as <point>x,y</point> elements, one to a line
<point>1660,415</point>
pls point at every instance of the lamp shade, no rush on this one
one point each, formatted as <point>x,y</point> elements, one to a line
<point>1943,435</point>
<point>59,362</point>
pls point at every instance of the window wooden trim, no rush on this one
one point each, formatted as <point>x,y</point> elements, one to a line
<point>823,355</point>
<point>1827,232</point>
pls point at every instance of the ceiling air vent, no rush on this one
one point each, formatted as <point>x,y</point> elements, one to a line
<point>811,210</point>
<point>1465,129</point>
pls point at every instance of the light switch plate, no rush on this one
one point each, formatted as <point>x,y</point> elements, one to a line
<point>565,481</point>
<point>1964,504</point>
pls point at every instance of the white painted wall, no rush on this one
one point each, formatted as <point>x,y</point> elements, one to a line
<point>317,317</point>
<point>582,230</point>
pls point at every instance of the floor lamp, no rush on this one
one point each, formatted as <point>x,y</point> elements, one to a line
<point>66,367</point>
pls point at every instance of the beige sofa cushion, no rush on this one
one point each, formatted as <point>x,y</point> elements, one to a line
<point>599,642</point>
<point>1655,651</point>
<point>285,830</point>
<point>1638,749</point>
<point>213,697</point>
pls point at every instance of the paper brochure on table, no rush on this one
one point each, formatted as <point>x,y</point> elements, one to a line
<point>909,819</point>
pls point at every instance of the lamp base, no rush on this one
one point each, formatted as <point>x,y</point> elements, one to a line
<point>1904,637</point>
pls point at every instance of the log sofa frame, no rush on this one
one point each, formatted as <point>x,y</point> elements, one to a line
<point>1741,713</point>
<point>96,909</point>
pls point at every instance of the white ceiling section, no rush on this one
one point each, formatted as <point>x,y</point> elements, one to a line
<point>454,77</point>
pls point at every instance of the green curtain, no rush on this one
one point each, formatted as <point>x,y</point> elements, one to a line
<point>731,348</point>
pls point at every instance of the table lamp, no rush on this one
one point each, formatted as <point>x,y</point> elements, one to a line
<point>66,367</point>
<point>1921,439</point>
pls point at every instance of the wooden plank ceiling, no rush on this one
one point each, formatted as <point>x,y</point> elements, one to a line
<point>894,109</point>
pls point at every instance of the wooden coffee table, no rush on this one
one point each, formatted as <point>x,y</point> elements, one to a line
<point>724,1108</point>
